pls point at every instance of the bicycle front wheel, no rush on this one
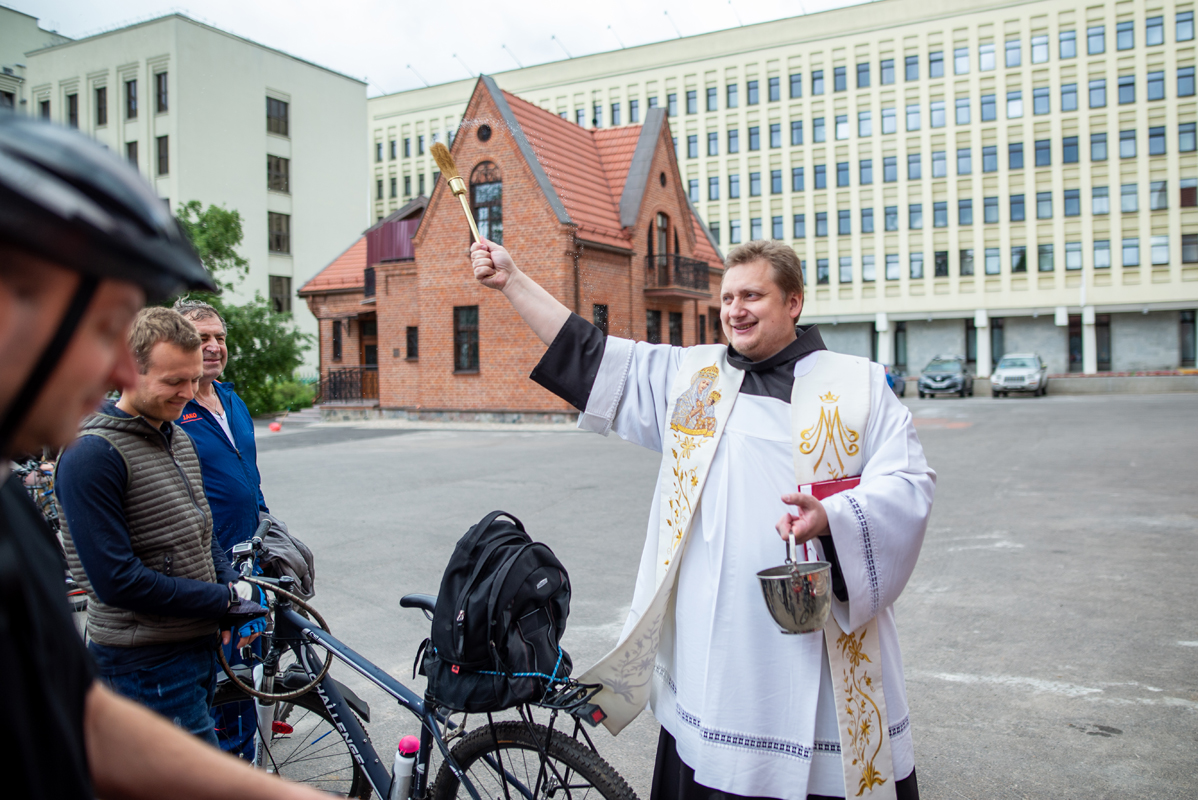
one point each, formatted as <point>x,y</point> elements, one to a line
<point>305,746</point>
<point>504,762</point>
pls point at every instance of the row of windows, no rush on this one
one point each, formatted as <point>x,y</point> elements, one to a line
<point>393,145</point>
<point>1018,259</point>
<point>1041,157</point>
<point>1100,203</point>
<point>407,185</point>
<point>842,126</point>
<point>938,115</point>
<point>100,104</point>
<point>987,60</point>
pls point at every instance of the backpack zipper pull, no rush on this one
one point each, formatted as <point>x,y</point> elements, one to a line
<point>460,624</point>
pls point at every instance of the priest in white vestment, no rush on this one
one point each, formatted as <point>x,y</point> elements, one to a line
<point>746,710</point>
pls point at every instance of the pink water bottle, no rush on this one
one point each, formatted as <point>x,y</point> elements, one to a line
<point>405,760</point>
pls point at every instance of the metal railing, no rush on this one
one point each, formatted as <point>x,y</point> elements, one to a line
<point>349,385</point>
<point>673,270</point>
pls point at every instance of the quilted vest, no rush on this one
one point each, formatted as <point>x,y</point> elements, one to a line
<point>170,528</point>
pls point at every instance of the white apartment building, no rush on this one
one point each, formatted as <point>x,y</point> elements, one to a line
<point>213,117</point>
<point>19,33</point>
<point>958,176</point>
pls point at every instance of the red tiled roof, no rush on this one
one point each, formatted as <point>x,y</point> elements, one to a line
<point>588,169</point>
<point>616,146</point>
<point>345,272</point>
<point>570,157</point>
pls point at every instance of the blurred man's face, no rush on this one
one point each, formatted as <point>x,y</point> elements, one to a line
<point>168,384</point>
<point>34,294</point>
<point>212,345</point>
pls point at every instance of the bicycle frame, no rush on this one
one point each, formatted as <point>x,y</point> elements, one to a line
<point>292,630</point>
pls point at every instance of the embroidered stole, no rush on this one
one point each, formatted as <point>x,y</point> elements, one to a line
<point>829,410</point>
<point>701,401</point>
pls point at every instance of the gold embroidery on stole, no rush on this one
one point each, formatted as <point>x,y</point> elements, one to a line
<point>696,420</point>
<point>828,447</point>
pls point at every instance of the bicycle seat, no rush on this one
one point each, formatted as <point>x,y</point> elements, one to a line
<point>426,601</point>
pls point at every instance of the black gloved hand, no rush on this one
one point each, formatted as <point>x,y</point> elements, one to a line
<point>241,613</point>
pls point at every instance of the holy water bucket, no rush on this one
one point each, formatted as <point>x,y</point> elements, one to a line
<point>798,595</point>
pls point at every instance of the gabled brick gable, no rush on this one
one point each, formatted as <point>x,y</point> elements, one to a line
<point>562,191</point>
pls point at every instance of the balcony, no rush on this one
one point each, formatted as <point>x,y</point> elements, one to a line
<point>677,277</point>
<point>350,385</point>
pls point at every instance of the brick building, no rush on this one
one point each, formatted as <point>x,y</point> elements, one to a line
<point>597,217</point>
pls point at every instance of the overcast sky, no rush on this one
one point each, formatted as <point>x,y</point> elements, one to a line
<point>377,40</point>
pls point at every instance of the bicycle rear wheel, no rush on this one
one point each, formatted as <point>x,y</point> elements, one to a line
<point>508,751</point>
<point>305,745</point>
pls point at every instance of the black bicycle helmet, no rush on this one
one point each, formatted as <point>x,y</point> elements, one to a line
<point>67,199</point>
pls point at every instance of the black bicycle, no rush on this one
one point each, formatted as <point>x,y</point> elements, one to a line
<point>311,728</point>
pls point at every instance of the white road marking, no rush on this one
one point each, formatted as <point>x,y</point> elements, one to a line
<point>1037,685</point>
<point>1002,545</point>
<point>1188,644</point>
<point>1060,688</point>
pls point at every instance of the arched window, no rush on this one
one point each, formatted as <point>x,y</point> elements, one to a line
<point>663,238</point>
<point>486,195</point>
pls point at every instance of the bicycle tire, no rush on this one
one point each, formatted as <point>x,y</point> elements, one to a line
<point>307,755</point>
<point>513,743</point>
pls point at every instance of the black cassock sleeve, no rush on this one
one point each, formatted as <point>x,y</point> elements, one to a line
<point>839,589</point>
<point>569,366</point>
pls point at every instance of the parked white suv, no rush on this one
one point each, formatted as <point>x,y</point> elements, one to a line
<point>1019,372</point>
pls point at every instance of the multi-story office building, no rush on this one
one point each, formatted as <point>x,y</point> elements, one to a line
<point>212,117</point>
<point>960,176</point>
<point>19,33</point>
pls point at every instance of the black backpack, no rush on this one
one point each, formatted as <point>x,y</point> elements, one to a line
<point>500,616</point>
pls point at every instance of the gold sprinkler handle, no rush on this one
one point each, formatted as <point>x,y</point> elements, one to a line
<point>458,187</point>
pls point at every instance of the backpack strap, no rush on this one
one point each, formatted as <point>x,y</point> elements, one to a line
<point>487,521</point>
<point>481,562</point>
<point>500,579</point>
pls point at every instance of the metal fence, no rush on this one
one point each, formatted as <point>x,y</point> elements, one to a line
<point>349,384</point>
<point>674,270</point>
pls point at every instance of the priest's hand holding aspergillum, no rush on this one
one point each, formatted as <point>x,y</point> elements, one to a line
<point>810,521</point>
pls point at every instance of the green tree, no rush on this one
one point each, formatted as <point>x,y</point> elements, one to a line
<point>215,232</point>
<point>265,348</point>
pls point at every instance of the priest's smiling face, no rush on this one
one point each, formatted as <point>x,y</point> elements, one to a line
<point>758,317</point>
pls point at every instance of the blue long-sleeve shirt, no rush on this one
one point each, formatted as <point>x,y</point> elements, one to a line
<point>90,486</point>
<point>231,478</point>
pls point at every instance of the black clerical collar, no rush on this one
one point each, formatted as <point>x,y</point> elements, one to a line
<point>807,342</point>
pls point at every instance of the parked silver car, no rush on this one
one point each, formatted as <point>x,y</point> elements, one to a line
<point>1019,372</point>
<point>946,375</point>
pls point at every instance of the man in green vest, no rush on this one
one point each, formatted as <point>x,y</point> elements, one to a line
<point>138,533</point>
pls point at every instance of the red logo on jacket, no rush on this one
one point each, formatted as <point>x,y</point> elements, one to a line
<point>189,417</point>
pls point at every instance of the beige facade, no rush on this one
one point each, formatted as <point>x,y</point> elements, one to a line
<point>212,117</point>
<point>1086,255</point>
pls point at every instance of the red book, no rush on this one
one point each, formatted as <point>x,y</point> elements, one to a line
<point>828,488</point>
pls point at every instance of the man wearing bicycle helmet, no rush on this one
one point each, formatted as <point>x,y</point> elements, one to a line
<point>84,242</point>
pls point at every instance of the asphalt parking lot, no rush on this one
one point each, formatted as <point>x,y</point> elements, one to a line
<point>1049,633</point>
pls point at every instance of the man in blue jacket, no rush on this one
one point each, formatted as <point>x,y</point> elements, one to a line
<point>220,425</point>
